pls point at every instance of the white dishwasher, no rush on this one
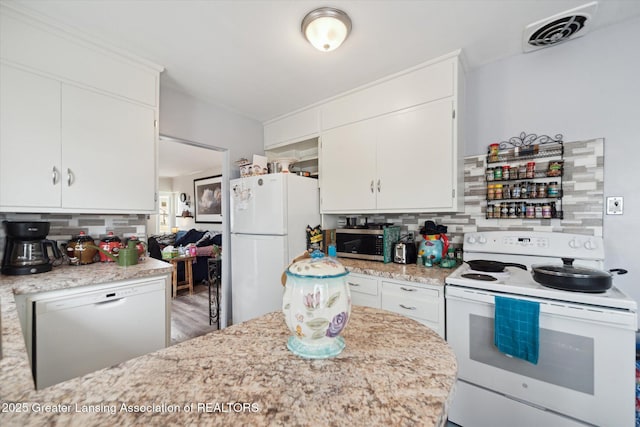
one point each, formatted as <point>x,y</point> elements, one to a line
<point>78,331</point>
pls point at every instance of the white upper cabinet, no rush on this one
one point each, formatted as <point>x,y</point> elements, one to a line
<point>292,128</point>
<point>402,160</point>
<point>30,171</point>
<point>348,169</point>
<point>78,123</point>
<point>107,152</point>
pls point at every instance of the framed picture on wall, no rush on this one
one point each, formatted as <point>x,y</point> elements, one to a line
<point>208,199</point>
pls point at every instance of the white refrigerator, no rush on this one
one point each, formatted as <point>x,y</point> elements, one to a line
<point>269,217</point>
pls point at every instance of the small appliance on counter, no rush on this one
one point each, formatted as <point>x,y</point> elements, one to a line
<point>405,251</point>
<point>25,250</point>
<point>371,241</point>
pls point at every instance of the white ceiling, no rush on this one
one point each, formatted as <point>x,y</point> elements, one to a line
<point>249,55</point>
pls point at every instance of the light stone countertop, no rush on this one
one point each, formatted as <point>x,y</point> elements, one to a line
<point>15,372</point>
<point>407,272</point>
<point>393,371</point>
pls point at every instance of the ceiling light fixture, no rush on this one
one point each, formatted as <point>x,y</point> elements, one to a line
<point>326,28</point>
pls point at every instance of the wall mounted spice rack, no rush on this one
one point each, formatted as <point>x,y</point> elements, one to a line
<point>518,187</point>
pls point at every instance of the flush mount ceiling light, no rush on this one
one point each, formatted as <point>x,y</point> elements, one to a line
<point>326,28</point>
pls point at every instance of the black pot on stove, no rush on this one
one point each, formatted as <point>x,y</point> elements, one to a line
<point>568,277</point>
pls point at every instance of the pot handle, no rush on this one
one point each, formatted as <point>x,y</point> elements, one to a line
<point>618,271</point>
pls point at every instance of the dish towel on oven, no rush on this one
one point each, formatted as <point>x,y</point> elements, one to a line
<point>516,328</point>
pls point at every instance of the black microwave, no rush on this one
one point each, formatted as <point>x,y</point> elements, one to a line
<point>367,244</point>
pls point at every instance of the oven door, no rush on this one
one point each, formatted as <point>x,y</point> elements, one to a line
<point>586,361</point>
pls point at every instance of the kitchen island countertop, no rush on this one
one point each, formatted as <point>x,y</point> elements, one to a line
<point>393,371</point>
<point>407,272</point>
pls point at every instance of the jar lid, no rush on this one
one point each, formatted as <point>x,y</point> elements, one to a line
<point>82,237</point>
<point>318,266</point>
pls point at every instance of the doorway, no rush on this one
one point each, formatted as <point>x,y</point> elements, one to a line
<point>180,163</point>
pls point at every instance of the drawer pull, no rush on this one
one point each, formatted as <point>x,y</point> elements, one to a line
<point>407,308</point>
<point>353,284</point>
<point>408,289</point>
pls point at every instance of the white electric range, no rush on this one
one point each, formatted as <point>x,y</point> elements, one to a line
<point>585,374</point>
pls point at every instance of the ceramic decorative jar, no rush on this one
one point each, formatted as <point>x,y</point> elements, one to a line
<point>316,306</point>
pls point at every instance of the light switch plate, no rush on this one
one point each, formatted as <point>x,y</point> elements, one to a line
<point>614,205</point>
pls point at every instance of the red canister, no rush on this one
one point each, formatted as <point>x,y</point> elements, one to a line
<point>111,244</point>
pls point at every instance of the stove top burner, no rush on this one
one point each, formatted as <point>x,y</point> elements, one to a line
<point>479,276</point>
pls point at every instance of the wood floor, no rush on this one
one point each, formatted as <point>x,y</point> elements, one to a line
<point>190,314</point>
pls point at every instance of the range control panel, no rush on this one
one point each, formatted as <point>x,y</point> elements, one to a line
<point>535,243</point>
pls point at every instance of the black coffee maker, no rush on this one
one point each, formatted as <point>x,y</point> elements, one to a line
<point>25,251</point>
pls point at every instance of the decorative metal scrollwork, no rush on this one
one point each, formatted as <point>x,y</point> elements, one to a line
<point>524,140</point>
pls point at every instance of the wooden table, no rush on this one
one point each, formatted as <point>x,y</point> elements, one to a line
<point>187,283</point>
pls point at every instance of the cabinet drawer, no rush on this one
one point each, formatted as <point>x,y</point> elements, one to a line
<point>362,284</point>
<point>412,301</point>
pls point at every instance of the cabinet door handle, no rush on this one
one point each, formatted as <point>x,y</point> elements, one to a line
<point>69,177</point>
<point>379,186</point>
<point>407,308</point>
<point>55,176</point>
<point>408,289</point>
<point>371,186</point>
<point>353,284</point>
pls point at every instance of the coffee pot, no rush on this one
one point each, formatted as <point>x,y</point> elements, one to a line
<point>26,250</point>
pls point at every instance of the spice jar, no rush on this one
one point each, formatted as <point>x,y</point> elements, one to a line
<point>498,191</point>
<point>497,174</point>
<point>489,174</point>
<point>512,210</point>
<point>530,211</point>
<point>522,171</point>
<point>531,170</point>
<point>524,193</point>
<point>493,152</point>
<point>513,172</point>
<point>552,189</point>
<point>496,210</point>
<point>532,190</point>
<point>504,210</point>
<point>516,191</point>
<point>542,190</point>
<point>491,191</point>
<point>538,210</point>
<point>546,210</point>
<point>505,172</point>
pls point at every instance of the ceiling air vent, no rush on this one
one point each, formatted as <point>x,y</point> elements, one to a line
<point>559,28</point>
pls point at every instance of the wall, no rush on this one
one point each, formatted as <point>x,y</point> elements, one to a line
<point>186,117</point>
<point>585,88</point>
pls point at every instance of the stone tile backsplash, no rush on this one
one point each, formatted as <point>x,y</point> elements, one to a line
<point>65,226</point>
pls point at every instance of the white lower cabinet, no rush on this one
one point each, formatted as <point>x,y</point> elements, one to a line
<point>364,290</point>
<point>424,303</point>
<point>419,301</point>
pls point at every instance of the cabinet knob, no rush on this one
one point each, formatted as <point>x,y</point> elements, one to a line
<point>371,186</point>
<point>69,177</point>
<point>353,284</point>
<point>408,289</point>
<point>379,186</point>
<point>406,307</point>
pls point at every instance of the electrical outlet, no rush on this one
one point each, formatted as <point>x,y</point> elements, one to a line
<point>615,205</point>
